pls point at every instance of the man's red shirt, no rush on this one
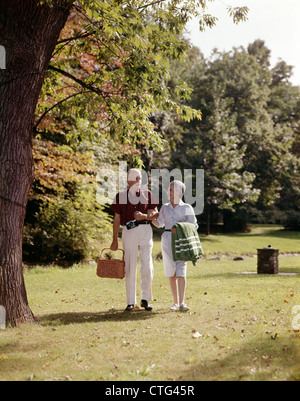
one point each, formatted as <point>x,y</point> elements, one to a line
<point>127,203</point>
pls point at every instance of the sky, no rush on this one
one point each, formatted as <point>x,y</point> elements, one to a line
<point>277,22</point>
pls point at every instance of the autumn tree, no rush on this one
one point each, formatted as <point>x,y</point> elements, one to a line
<point>29,33</point>
<point>142,37</point>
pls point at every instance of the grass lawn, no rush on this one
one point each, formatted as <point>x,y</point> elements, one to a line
<point>247,244</point>
<point>239,326</point>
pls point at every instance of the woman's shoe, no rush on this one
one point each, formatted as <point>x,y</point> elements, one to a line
<point>184,308</point>
<point>129,308</point>
<point>174,307</point>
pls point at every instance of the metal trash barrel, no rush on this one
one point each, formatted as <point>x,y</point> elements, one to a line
<point>268,260</point>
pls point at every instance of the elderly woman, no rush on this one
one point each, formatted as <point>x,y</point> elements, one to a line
<point>170,214</point>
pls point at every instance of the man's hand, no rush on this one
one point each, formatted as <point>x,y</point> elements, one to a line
<point>140,216</point>
<point>114,246</point>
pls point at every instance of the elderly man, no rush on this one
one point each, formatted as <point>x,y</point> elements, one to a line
<point>135,209</point>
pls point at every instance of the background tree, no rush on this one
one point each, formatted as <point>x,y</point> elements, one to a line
<point>214,144</point>
<point>249,128</point>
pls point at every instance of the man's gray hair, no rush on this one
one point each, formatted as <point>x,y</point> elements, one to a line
<point>133,173</point>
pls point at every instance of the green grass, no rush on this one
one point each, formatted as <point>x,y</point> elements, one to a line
<point>247,244</point>
<point>244,322</point>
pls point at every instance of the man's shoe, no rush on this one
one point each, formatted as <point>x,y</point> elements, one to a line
<point>129,308</point>
<point>146,305</point>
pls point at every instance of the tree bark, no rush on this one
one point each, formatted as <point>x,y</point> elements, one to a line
<point>29,33</point>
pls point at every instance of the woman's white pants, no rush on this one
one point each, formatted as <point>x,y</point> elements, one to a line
<point>134,240</point>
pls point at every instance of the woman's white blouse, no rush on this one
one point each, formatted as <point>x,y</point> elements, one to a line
<point>168,217</point>
<point>182,213</point>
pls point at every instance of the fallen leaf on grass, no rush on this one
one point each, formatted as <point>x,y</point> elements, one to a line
<point>267,357</point>
<point>197,335</point>
<point>145,371</point>
<point>46,365</point>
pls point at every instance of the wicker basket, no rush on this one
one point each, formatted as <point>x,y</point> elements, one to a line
<point>112,268</point>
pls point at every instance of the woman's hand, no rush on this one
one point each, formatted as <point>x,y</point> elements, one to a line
<point>155,223</point>
<point>152,215</point>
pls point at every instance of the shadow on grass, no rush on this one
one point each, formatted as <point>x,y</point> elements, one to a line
<point>256,360</point>
<point>250,275</point>
<point>265,232</point>
<point>277,233</point>
<point>67,318</point>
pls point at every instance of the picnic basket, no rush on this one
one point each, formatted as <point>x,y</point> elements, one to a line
<point>111,268</point>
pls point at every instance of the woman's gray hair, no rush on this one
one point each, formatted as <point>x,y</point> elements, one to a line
<point>179,186</point>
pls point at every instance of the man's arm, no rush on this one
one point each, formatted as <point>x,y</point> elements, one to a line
<point>152,214</point>
<point>117,222</point>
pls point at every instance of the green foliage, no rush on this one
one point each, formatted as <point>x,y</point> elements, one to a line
<point>68,229</point>
<point>128,46</point>
<point>107,82</point>
<point>292,221</point>
<point>238,13</point>
<point>249,129</point>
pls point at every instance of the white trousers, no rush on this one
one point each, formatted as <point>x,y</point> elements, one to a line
<point>134,240</point>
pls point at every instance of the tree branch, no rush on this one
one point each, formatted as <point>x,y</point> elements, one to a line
<point>55,105</point>
<point>151,4</point>
<point>89,87</point>
<point>77,80</point>
<point>68,40</point>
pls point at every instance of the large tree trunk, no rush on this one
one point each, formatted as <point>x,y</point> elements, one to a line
<point>28,32</point>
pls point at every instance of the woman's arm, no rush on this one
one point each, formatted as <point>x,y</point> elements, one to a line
<point>191,218</point>
<point>152,214</point>
<point>156,223</point>
<point>159,222</point>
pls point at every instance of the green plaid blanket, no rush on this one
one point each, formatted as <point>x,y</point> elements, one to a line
<point>186,244</point>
